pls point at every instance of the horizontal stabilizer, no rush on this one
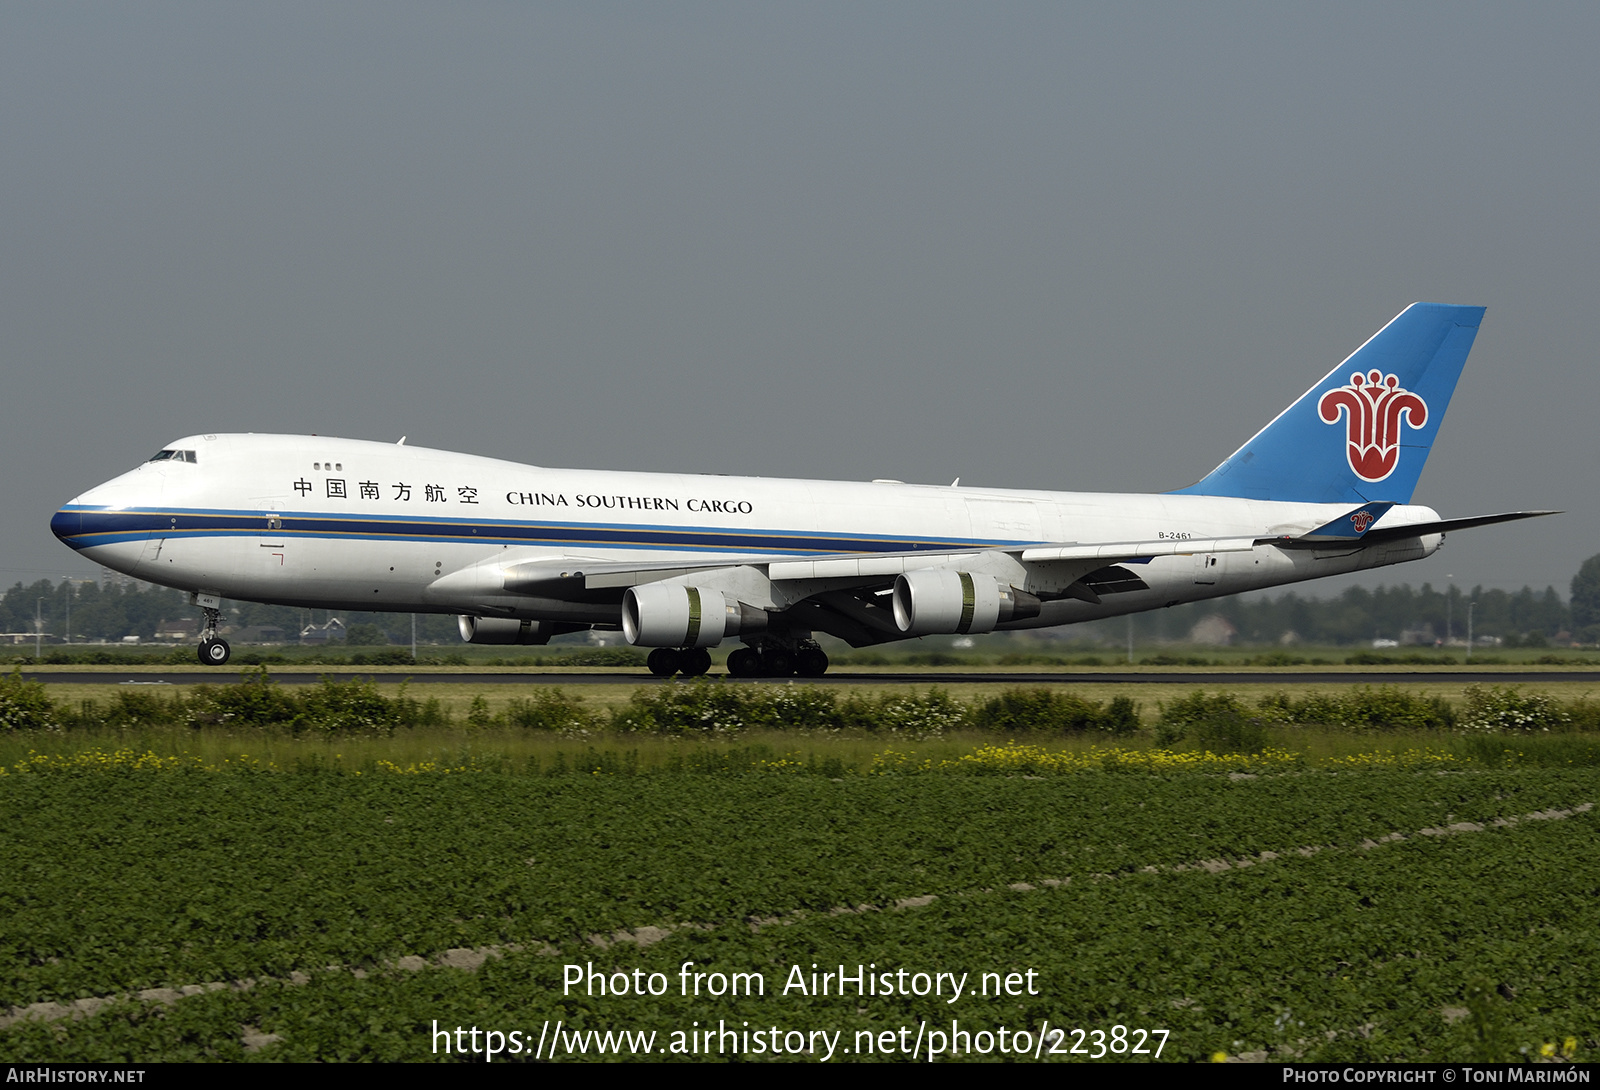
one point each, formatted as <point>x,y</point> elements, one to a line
<point>1351,527</point>
<point>1405,530</point>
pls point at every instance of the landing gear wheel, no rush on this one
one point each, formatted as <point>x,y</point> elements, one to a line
<point>664,662</point>
<point>777,663</point>
<point>744,662</point>
<point>214,652</point>
<point>695,661</point>
<point>811,662</point>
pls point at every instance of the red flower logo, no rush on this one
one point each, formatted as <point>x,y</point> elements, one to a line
<point>1373,405</point>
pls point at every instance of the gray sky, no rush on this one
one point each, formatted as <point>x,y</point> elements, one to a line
<point>1046,246</point>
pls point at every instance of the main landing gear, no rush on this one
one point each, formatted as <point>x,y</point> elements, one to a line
<point>214,650</point>
<point>769,659</point>
<point>688,661</point>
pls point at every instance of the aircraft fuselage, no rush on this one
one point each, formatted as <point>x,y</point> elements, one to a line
<point>357,525</point>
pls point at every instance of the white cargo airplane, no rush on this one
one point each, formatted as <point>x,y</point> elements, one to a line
<point>680,563</point>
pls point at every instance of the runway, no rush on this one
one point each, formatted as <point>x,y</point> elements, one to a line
<point>641,677</point>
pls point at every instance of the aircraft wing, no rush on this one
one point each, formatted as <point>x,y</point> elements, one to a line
<point>576,576</point>
<point>543,577</point>
<point>847,594</point>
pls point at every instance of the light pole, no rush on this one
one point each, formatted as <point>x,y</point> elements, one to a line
<point>1449,608</point>
<point>38,626</point>
<point>1470,606</point>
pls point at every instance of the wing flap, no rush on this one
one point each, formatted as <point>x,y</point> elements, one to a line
<point>1136,550</point>
<point>869,566</point>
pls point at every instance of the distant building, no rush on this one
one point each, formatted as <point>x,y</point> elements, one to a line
<point>261,633</point>
<point>184,628</point>
<point>1420,636</point>
<point>323,633</point>
<point>1214,631</point>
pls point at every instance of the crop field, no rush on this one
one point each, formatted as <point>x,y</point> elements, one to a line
<point>1176,887</point>
<point>1367,913</point>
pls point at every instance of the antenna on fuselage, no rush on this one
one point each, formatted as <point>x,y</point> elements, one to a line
<point>402,442</point>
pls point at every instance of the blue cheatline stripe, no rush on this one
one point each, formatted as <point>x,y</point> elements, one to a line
<point>97,526</point>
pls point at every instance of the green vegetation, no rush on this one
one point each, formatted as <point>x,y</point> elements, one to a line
<point>1585,612</point>
<point>1347,875</point>
<point>702,708</point>
<point>717,709</point>
<point>1379,914</point>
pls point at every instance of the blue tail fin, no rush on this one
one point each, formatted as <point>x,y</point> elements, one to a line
<point>1364,431</point>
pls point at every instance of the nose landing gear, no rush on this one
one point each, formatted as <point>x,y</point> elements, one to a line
<point>214,650</point>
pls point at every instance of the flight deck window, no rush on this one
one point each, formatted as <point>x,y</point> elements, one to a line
<point>162,456</point>
<point>174,456</point>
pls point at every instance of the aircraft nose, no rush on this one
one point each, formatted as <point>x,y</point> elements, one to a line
<point>66,524</point>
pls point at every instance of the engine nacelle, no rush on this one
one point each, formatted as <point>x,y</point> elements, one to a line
<point>510,630</point>
<point>670,615</point>
<point>939,601</point>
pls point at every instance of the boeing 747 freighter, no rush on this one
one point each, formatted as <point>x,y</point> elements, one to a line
<point>680,563</point>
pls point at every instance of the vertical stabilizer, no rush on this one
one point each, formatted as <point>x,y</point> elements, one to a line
<point>1364,431</point>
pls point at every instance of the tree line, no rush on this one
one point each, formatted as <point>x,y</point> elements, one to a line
<point>112,612</point>
<point>1402,613</point>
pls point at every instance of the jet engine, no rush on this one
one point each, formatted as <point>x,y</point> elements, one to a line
<point>511,630</point>
<point>669,615</point>
<point>938,601</point>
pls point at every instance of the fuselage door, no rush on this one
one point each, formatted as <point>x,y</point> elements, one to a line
<point>270,547</point>
<point>1004,520</point>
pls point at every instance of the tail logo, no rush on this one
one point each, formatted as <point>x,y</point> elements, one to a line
<point>1373,405</point>
<point>1361,519</point>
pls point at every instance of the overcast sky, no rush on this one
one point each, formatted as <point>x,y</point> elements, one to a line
<point>1080,247</point>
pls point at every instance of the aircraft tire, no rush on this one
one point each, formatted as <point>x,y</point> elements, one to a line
<point>664,661</point>
<point>811,662</point>
<point>695,661</point>
<point>777,663</point>
<point>214,652</point>
<point>744,662</point>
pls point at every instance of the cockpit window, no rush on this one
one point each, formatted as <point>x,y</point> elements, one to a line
<point>174,456</point>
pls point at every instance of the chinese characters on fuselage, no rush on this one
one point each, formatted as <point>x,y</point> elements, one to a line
<point>430,492</point>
